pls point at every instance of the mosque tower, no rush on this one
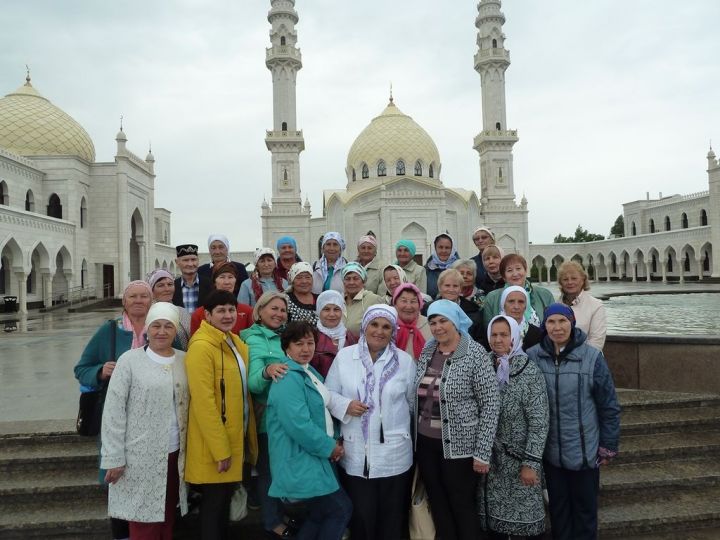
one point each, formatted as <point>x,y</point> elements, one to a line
<point>495,142</point>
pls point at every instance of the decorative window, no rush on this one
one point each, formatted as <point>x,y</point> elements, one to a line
<point>652,225</point>
<point>284,126</point>
<point>703,218</point>
<point>400,167</point>
<point>4,197</point>
<point>494,43</point>
<point>684,221</point>
<point>365,171</point>
<point>633,229</point>
<point>29,201</point>
<point>418,168</point>
<point>83,213</point>
<point>282,40</point>
<point>381,169</point>
<point>54,208</point>
<point>498,126</point>
<point>431,171</point>
<point>667,223</point>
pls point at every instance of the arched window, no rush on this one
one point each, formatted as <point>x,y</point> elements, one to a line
<point>667,223</point>
<point>284,126</point>
<point>400,167</point>
<point>703,218</point>
<point>684,221</point>
<point>633,229</point>
<point>497,126</point>
<point>418,168</point>
<point>282,40</point>
<point>54,208</point>
<point>431,172</point>
<point>353,175</point>
<point>381,169</point>
<point>29,201</point>
<point>365,171</point>
<point>494,43</point>
<point>652,225</point>
<point>4,197</point>
<point>83,213</point>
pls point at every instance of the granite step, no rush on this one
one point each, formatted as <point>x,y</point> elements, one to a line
<point>56,518</point>
<point>18,488</point>
<point>653,399</point>
<point>637,421</point>
<point>670,446</point>
<point>706,533</point>
<point>43,453</point>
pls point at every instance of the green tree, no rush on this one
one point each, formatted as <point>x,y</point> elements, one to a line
<point>618,229</point>
<point>581,235</point>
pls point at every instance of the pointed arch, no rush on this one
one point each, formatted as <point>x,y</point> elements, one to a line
<point>83,213</point>
<point>400,167</point>
<point>54,206</point>
<point>381,168</point>
<point>684,221</point>
<point>703,218</point>
<point>418,235</point>
<point>29,201</point>
<point>365,171</point>
<point>4,194</point>
<point>418,168</point>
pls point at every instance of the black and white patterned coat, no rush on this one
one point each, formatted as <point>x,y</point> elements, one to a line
<point>469,402</point>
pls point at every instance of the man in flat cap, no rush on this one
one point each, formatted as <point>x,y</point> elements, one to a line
<point>219,248</point>
<point>191,288</point>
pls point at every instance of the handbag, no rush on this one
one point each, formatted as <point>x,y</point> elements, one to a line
<point>238,503</point>
<point>420,520</point>
<point>89,418</point>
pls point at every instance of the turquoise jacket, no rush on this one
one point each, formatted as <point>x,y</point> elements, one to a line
<point>264,348</point>
<point>299,445</point>
<point>97,352</point>
<point>540,298</point>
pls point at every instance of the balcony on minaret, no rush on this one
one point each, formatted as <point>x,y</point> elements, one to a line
<point>285,139</point>
<point>491,56</point>
<point>282,53</point>
<point>500,136</point>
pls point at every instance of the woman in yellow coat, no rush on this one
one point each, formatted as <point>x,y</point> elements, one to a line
<point>221,425</point>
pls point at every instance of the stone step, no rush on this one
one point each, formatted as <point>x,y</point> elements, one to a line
<point>684,510</point>
<point>23,487</point>
<point>652,399</point>
<point>668,446</point>
<point>667,420</point>
<point>56,519</point>
<point>45,455</point>
<point>706,533</point>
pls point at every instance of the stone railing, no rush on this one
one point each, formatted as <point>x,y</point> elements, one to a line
<point>283,51</point>
<point>13,219</point>
<point>281,134</point>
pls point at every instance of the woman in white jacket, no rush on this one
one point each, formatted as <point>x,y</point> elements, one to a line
<point>373,387</point>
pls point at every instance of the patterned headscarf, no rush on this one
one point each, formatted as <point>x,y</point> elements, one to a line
<point>338,333</point>
<point>503,370</point>
<point>157,275</point>
<point>340,260</point>
<point>435,263</point>
<point>356,267</point>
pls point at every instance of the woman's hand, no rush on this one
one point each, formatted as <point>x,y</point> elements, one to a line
<point>356,408</point>
<point>528,476</point>
<point>337,453</point>
<point>113,475</point>
<point>107,370</point>
<point>276,371</point>
<point>224,465</point>
<point>480,467</point>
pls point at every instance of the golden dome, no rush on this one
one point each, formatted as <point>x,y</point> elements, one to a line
<point>32,126</point>
<point>390,137</point>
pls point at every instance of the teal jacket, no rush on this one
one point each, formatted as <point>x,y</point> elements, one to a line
<point>540,298</point>
<point>264,348</point>
<point>97,352</point>
<point>299,445</point>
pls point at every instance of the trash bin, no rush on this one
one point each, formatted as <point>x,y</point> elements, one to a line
<point>11,304</point>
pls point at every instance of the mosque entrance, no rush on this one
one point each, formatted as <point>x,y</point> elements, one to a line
<point>108,281</point>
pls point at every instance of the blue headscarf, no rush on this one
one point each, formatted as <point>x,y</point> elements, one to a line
<point>407,244</point>
<point>435,262</point>
<point>284,240</point>
<point>558,309</point>
<point>452,312</point>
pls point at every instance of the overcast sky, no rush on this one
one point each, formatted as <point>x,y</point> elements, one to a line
<point>611,99</point>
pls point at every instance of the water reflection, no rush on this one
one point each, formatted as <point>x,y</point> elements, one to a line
<point>664,314</point>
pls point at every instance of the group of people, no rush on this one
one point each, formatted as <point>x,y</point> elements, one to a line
<point>342,384</point>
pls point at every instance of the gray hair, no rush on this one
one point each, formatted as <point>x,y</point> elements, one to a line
<point>465,263</point>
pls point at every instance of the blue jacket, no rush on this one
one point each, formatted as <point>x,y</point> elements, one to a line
<point>97,352</point>
<point>300,448</point>
<point>584,410</point>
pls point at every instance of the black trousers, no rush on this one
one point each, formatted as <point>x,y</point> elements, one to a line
<point>380,506</point>
<point>119,528</point>
<point>573,502</point>
<point>215,510</point>
<point>451,488</point>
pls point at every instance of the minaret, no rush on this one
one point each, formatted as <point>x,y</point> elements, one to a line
<point>285,141</point>
<point>495,142</point>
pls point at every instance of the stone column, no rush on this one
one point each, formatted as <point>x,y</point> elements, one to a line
<point>22,292</point>
<point>663,269</point>
<point>648,268</point>
<point>47,289</point>
<point>699,264</point>
<point>634,271</point>
<point>595,278</point>
<point>681,270</point>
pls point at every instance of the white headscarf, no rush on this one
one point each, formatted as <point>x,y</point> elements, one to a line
<point>163,311</point>
<point>503,370</point>
<point>221,237</point>
<point>529,317</point>
<point>335,298</point>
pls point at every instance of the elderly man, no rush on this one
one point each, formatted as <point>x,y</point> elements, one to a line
<point>367,257</point>
<point>191,288</point>
<point>219,248</point>
<point>286,247</point>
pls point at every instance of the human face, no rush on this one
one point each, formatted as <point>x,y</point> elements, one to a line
<point>163,290</point>
<point>515,274</point>
<point>265,265</point>
<point>287,252</point>
<point>303,283</point>
<point>515,305</point>
<point>353,284</point>
<point>408,306</point>
<point>218,251</point>
<point>572,282</point>
<point>467,275</point>
<point>491,263</point>
<point>225,282</point>
<point>500,337</point>
<point>366,253</point>
<point>378,334</point>
<point>188,265</point>
<point>222,317</point>
<point>482,239</point>
<point>161,334</point>
<point>450,289</point>
<point>559,329</point>
<point>403,256</point>
<point>330,315</point>
<point>392,279</point>
<point>443,248</point>
<point>301,350</point>
<point>443,330</point>
<point>274,314</point>
<point>136,301</point>
<point>331,250</point>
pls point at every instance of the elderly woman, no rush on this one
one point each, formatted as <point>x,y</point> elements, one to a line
<point>393,277</point>
<point>327,269</point>
<point>493,279</point>
<point>373,382</point>
<point>262,279</point>
<point>221,427</point>
<point>513,268</point>
<point>515,304</point>
<point>413,328</point>
<point>510,501</point>
<point>443,255</point>
<point>332,335</point>
<point>456,414</point>
<point>482,238</point>
<point>144,431</point>
<point>414,273</point>
<point>367,257</point>
<point>450,285</point>
<point>303,442</point>
<point>589,311</point>
<point>224,278</point>
<point>97,362</point>
<point>584,423</point>
<point>286,247</point>
<point>162,284</point>
<point>469,291</point>
<point>267,364</point>
<point>357,298</point>
<point>301,299</point>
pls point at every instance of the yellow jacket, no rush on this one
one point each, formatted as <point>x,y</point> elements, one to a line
<point>208,358</point>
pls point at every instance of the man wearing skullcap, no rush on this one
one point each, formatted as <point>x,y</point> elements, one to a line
<point>219,248</point>
<point>191,288</point>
